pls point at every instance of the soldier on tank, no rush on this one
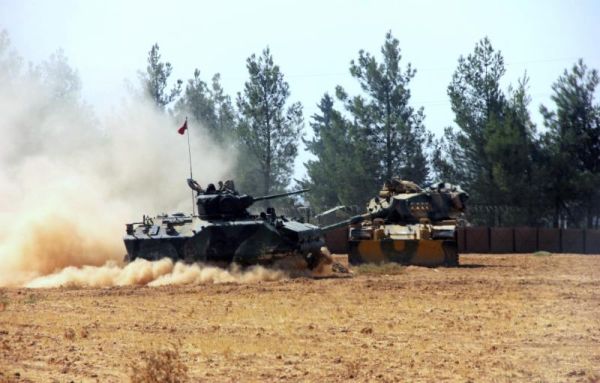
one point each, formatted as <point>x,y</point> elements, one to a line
<point>211,189</point>
<point>398,186</point>
<point>229,187</point>
<point>195,186</point>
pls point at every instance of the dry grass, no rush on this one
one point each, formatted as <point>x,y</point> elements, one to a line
<point>379,269</point>
<point>159,366</point>
<point>497,318</point>
<point>69,334</point>
<point>3,301</point>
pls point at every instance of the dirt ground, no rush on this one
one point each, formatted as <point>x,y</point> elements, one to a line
<point>496,318</point>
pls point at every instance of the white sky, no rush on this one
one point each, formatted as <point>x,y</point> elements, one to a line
<point>312,41</point>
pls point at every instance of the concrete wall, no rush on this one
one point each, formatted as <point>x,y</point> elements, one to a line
<point>503,240</point>
<point>337,240</point>
<point>477,240</point>
<point>572,241</point>
<point>592,241</point>
<point>549,240</point>
<point>528,240</point>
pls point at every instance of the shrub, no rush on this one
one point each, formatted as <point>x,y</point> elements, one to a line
<point>164,366</point>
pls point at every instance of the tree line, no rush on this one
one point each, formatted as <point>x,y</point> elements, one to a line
<point>515,172</point>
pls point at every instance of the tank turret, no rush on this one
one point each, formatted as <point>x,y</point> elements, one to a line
<point>440,202</point>
<point>228,204</point>
<point>401,201</point>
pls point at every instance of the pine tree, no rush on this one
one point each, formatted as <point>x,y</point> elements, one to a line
<point>512,150</point>
<point>209,106</point>
<point>268,130</point>
<point>393,129</point>
<point>224,111</point>
<point>572,147</point>
<point>381,137</point>
<point>478,103</point>
<point>494,152</point>
<point>154,80</point>
<point>196,100</point>
<point>339,175</point>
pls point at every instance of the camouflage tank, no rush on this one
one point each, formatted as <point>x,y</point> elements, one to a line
<point>407,224</point>
<point>224,231</point>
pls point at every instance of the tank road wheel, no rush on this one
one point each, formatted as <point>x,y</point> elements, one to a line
<point>450,253</point>
<point>153,251</point>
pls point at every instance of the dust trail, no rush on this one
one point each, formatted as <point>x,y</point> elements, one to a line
<point>196,274</point>
<point>157,273</point>
<point>70,180</point>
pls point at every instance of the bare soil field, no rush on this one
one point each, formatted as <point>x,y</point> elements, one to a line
<point>496,318</point>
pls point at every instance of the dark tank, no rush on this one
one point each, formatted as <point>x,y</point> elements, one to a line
<point>224,231</point>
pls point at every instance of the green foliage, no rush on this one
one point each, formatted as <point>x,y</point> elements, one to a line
<point>268,130</point>
<point>477,103</point>
<point>383,137</point>
<point>492,153</point>
<point>155,79</point>
<point>498,157</point>
<point>209,106</point>
<point>446,154</point>
<point>571,147</point>
<point>512,150</point>
<point>324,145</point>
<point>393,130</point>
<point>341,174</point>
<point>224,111</point>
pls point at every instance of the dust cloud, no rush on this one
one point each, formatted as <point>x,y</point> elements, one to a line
<point>70,180</point>
<point>157,273</point>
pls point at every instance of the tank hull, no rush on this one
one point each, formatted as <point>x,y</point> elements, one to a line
<point>418,252</point>
<point>246,242</point>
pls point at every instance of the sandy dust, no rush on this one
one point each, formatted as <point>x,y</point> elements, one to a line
<point>159,273</point>
<point>71,178</point>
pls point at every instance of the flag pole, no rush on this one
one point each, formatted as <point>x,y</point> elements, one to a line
<point>190,158</point>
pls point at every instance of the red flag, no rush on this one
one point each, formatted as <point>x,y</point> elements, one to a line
<point>183,128</point>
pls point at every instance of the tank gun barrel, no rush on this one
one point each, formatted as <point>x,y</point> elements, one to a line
<point>355,219</point>
<point>273,196</point>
